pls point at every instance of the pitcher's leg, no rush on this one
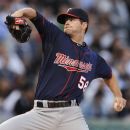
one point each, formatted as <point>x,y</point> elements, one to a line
<point>28,121</point>
<point>73,119</point>
<point>78,124</point>
<point>13,123</point>
<point>16,123</point>
<point>36,119</point>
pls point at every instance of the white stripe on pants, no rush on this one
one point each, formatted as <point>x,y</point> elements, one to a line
<point>65,118</point>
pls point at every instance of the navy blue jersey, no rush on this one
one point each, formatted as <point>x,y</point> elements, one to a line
<point>67,68</point>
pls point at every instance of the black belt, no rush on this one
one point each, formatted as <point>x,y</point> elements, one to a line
<point>54,104</point>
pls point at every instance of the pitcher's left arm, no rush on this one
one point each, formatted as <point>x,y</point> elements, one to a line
<point>119,102</point>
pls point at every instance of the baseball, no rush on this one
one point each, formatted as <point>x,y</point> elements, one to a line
<point>115,105</point>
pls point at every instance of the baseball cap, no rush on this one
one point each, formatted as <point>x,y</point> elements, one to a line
<point>75,13</point>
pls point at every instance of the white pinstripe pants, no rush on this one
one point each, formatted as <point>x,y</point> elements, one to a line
<point>64,118</point>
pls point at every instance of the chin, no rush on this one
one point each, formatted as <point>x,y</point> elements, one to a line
<point>67,32</point>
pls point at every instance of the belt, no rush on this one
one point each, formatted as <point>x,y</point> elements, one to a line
<point>54,104</point>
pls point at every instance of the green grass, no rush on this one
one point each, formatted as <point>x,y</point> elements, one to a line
<point>109,124</point>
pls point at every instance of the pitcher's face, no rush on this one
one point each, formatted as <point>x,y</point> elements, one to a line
<point>73,26</point>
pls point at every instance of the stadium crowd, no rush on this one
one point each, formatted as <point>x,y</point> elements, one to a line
<point>108,34</point>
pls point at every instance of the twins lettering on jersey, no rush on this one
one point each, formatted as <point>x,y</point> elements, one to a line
<point>71,64</point>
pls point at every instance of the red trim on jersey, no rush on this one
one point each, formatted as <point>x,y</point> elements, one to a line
<point>66,84</point>
<point>74,85</point>
<point>78,76</point>
<point>69,75</point>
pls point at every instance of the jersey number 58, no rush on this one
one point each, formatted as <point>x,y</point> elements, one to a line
<point>83,83</point>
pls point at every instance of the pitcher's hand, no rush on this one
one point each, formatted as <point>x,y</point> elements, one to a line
<point>119,104</point>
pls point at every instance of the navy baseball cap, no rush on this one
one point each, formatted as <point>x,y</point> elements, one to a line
<point>75,13</point>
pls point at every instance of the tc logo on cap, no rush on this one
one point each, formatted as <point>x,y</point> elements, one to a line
<point>69,10</point>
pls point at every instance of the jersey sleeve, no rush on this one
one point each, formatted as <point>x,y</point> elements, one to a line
<point>103,70</point>
<point>47,30</point>
<point>38,21</point>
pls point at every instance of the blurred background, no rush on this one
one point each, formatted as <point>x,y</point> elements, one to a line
<point>108,34</point>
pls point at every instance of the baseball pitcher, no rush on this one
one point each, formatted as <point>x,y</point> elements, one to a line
<point>67,68</point>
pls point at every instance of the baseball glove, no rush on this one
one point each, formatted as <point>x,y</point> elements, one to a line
<point>19,28</point>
